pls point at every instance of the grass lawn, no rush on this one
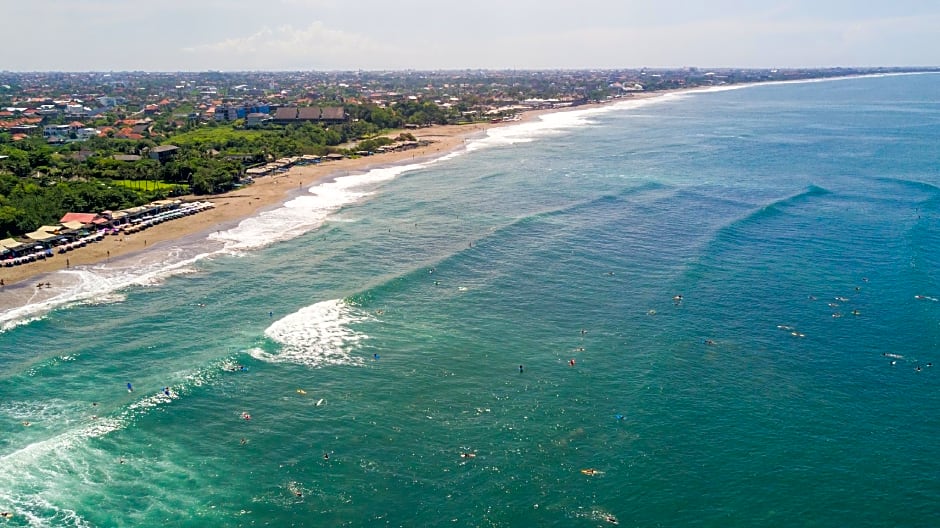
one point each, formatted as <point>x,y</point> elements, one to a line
<point>148,185</point>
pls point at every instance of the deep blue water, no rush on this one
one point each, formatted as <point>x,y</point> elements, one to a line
<point>798,223</point>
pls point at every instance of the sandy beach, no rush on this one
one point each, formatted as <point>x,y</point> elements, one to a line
<point>265,192</point>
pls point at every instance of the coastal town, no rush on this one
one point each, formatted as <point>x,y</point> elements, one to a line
<point>89,155</point>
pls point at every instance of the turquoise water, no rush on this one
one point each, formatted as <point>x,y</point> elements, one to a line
<point>386,326</point>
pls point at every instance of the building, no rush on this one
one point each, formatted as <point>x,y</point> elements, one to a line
<point>233,112</point>
<point>163,153</point>
<point>256,119</point>
<point>316,114</point>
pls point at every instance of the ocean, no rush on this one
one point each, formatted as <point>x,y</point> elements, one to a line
<point>716,308</point>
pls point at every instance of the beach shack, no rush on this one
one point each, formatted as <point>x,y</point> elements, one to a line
<point>10,248</point>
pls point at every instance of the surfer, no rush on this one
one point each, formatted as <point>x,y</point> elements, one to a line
<point>166,391</point>
<point>520,369</point>
<point>468,455</point>
<point>619,417</point>
<point>326,456</point>
<point>130,388</point>
<point>571,362</point>
<point>246,416</point>
<point>375,356</point>
<point>590,472</point>
<point>6,515</point>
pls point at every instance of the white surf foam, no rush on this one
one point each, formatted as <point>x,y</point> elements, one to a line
<point>98,284</point>
<point>307,212</point>
<point>316,336</point>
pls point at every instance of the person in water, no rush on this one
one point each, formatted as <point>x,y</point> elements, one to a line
<point>520,369</point>
<point>130,388</point>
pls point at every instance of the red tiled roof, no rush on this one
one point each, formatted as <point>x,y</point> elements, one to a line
<point>85,218</point>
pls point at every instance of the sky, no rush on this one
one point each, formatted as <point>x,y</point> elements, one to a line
<point>272,35</point>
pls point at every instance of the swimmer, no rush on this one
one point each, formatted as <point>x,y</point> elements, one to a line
<point>611,519</point>
<point>246,416</point>
<point>326,456</point>
<point>26,424</point>
<point>375,356</point>
<point>812,297</point>
<point>301,392</point>
<point>243,441</point>
<point>271,314</point>
<point>166,391</point>
<point>6,515</point>
<point>917,368</point>
<point>709,342</point>
<point>619,417</point>
<point>837,315</point>
<point>468,455</point>
<point>520,369</point>
<point>929,365</point>
<point>571,362</point>
<point>591,472</point>
<point>583,331</point>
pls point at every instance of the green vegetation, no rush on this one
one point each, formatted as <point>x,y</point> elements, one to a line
<point>26,204</point>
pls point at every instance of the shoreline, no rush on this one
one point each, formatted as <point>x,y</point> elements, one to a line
<point>268,192</point>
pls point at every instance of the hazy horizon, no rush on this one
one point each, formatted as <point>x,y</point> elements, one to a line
<point>325,35</point>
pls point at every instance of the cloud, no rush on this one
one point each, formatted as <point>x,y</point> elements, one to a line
<point>287,47</point>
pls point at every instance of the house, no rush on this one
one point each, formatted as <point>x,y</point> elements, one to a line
<point>256,119</point>
<point>163,153</point>
<point>56,131</point>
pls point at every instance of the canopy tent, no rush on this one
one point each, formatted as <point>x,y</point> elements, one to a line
<point>73,225</point>
<point>9,243</point>
<point>41,236</point>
